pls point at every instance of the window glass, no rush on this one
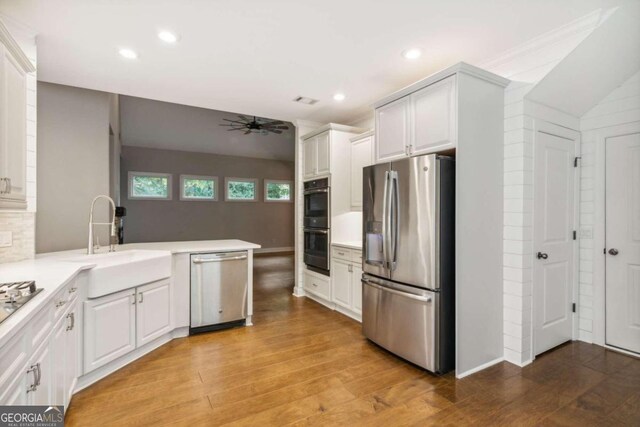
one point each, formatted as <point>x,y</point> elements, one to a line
<point>241,189</point>
<point>278,191</point>
<point>199,188</point>
<point>151,186</point>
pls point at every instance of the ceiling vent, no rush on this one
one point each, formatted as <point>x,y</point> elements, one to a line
<point>305,100</point>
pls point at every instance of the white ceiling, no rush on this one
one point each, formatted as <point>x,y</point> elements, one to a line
<point>255,56</point>
<point>154,124</point>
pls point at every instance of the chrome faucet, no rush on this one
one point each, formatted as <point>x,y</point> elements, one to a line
<point>112,248</point>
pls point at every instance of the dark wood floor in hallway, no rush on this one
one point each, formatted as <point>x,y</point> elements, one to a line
<point>303,364</point>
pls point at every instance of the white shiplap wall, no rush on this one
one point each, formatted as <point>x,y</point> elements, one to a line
<point>525,66</point>
<point>620,108</point>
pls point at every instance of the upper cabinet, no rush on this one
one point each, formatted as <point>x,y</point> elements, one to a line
<point>428,116</point>
<point>361,157</point>
<point>14,67</point>
<point>392,130</point>
<point>317,155</point>
<point>433,117</point>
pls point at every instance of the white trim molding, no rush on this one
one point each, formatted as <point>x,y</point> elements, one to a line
<point>202,178</point>
<point>132,174</point>
<point>229,179</point>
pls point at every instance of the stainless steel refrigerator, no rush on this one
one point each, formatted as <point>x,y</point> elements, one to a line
<point>408,295</point>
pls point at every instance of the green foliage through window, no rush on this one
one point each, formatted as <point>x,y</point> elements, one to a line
<point>150,186</point>
<point>241,190</point>
<point>278,191</point>
<point>199,188</point>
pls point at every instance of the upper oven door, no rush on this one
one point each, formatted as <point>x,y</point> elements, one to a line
<point>316,208</point>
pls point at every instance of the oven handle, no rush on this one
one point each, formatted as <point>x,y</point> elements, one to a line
<point>319,190</point>
<point>310,230</point>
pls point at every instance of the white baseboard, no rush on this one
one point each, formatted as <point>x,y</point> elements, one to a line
<point>272,250</point>
<point>355,316</point>
<point>320,300</point>
<point>298,292</point>
<point>620,350</point>
<point>479,368</point>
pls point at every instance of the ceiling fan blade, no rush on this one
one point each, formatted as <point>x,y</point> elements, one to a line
<point>248,132</point>
<point>277,127</point>
<point>275,131</point>
<point>273,123</point>
<point>245,118</point>
<point>234,129</point>
<point>233,121</point>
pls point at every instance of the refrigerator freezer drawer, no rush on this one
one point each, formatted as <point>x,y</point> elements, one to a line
<point>401,322</point>
<point>219,285</point>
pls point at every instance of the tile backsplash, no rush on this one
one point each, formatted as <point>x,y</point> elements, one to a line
<point>22,226</point>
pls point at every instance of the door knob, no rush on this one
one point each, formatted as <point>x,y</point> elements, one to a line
<point>613,251</point>
<point>542,255</point>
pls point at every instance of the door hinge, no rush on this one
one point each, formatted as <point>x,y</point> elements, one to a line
<point>575,235</point>
<point>573,307</point>
<point>575,161</point>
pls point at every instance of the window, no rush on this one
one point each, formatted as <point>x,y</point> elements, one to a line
<point>203,188</point>
<point>148,185</point>
<point>278,191</point>
<point>241,189</point>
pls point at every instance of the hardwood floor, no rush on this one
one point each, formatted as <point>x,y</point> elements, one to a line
<point>302,364</point>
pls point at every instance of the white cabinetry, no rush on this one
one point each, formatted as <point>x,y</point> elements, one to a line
<point>117,324</point>
<point>39,365</point>
<point>392,130</point>
<point>153,316</point>
<point>109,328</point>
<point>317,285</point>
<point>361,157</point>
<point>346,285</point>
<point>417,123</point>
<point>14,67</point>
<point>317,155</point>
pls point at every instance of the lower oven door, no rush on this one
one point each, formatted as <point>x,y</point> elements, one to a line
<point>316,248</point>
<point>402,320</point>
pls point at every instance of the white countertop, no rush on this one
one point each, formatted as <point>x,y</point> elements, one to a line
<point>355,244</point>
<point>52,272</point>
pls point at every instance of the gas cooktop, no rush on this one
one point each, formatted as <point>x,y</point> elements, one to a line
<point>15,295</point>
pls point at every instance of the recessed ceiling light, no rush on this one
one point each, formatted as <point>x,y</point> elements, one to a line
<point>339,97</point>
<point>412,53</point>
<point>128,53</point>
<point>167,37</point>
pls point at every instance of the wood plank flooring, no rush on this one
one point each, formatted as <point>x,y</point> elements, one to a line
<point>302,364</point>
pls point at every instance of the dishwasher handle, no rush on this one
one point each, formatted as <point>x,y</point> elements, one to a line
<point>218,259</point>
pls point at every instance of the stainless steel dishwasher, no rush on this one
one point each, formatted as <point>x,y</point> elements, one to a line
<point>219,285</point>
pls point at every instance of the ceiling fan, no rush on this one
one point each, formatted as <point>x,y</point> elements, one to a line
<point>257,125</point>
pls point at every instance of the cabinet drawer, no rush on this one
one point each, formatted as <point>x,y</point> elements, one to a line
<point>356,257</point>
<point>64,298</point>
<point>341,253</point>
<point>317,285</point>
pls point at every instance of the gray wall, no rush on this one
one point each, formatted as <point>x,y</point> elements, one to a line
<point>73,164</point>
<point>268,224</point>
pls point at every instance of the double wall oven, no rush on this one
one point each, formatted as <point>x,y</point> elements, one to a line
<point>317,225</point>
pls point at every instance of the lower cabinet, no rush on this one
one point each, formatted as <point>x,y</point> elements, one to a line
<point>109,328</point>
<point>117,324</point>
<point>39,365</point>
<point>346,286</point>
<point>317,284</point>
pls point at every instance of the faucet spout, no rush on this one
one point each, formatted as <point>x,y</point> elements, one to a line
<point>90,249</point>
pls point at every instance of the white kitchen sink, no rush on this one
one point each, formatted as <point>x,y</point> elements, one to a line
<point>116,271</point>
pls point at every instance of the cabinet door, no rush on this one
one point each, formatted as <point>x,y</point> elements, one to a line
<point>392,130</point>
<point>341,282</point>
<point>361,157</point>
<point>41,361</point>
<point>109,328</point>
<point>356,289</point>
<point>323,153</point>
<point>153,317</point>
<point>434,117</point>
<point>60,352</point>
<point>13,130</point>
<point>72,347</point>
<point>310,157</point>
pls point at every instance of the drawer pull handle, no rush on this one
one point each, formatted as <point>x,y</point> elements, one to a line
<point>61,303</point>
<point>72,290</point>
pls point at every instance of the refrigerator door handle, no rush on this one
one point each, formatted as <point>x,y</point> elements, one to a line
<point>385,220</point>
<point>395,218</point>
<point>395,292</point>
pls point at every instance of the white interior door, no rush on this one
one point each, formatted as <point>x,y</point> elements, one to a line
<point>623,242</point>
<point>553,264</point>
